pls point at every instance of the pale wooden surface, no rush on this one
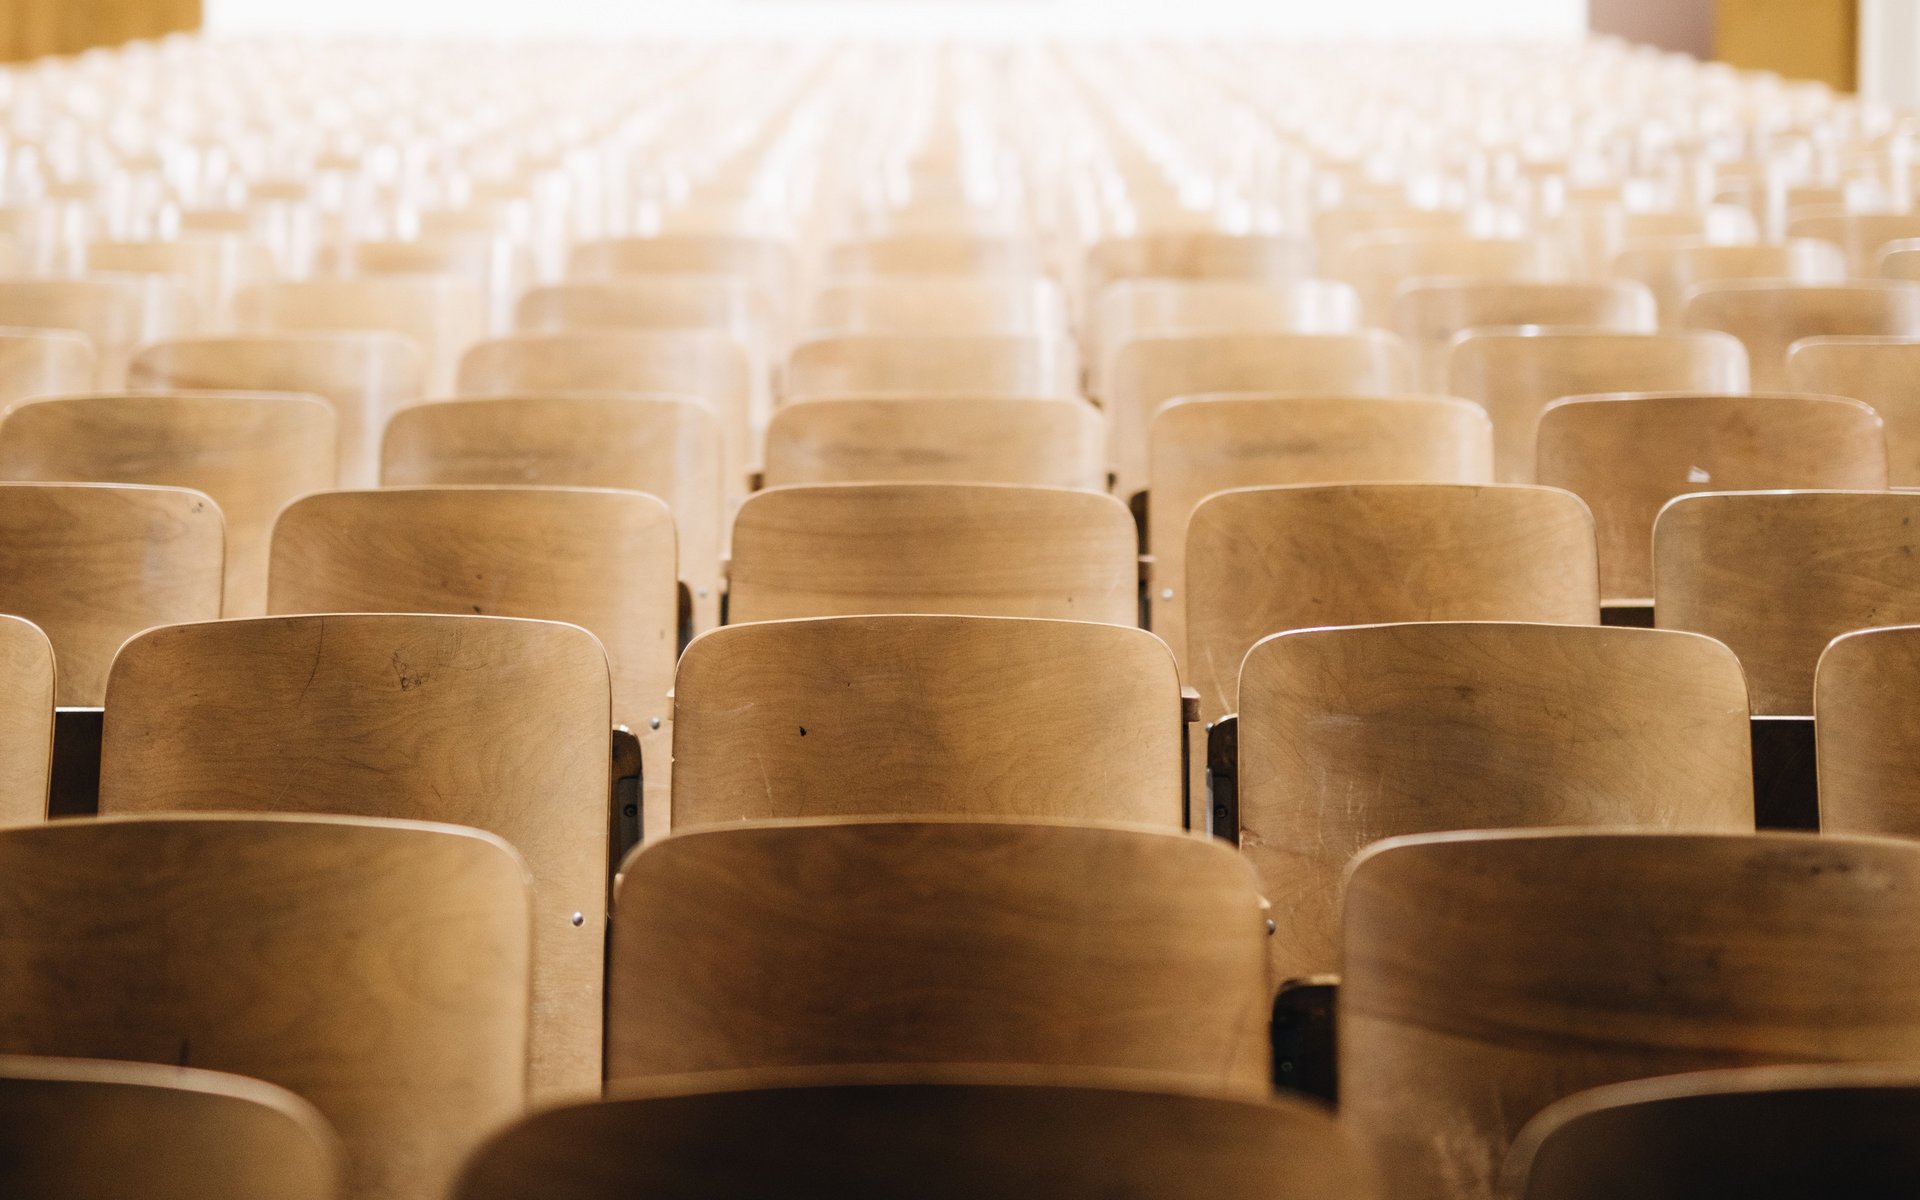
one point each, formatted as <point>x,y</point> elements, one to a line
<point>1517,373</point>
<point>1134,308</point>
<point>1768,317</point>
<point>1266,560</point>
<point>939,1134</point>
<point>43,362</point>
<point>366,376</point>
<point>115,312</point>
<point>939,305</point>
<point>442,315</point>
<point>83,1129</point>
<point>1429,312</point>
<point>934,254</point>
<point>376,968</point>
<point>1863,707</point>
<point>766,263</point>
<point>1627,455</point>
<point>1210,444</point>
<point>882,715</point>
<point>1152,371</point>
<point>1860,235</point>
<point>94,564</point>
<point>26,722</point>
<point>1778,575</point>
<point>968,549</point>
<point>716,302</point>
<point>251,452</point>
<point>1880,371</point>
<point>1487,975</point>
<point>1379,264</point>
<point>1671,269</point>
<point>948,439</point>
<point>939,941</point>
<point>1352,735</point>
<point>213,268</point>
<point>1194,254</point>
<point>484,721</point>
<point>932,365</point>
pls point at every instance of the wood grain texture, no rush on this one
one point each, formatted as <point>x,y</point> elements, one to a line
<point>884,715</point>
<point>43,362</point>
<point>945,439</point>
<point>1883,372</point>
<point>967,549</point>
<point>940,1134</point>
<point>1671,269</point>
<point>93,564</point>
<point>484,721</point>
<point>251,452</point>
<point>1210,444</point>
<point>1352,735</point>
<point>377,969</point>
<point>115,313</point>
<point>1516,373</point>
<point>441,314</point>
<point>939,941</point>
<point>26,722</point>
<point>1627,455</point>
<point>940,305</point>
<point>932,365</point>
<point>1136,308</point>
<point>365,376</point>
<point>1768,317</point>
<point>1378,264</point>
<point>1868,731</point>
<point>1778,575</point>
<point>83,1129</point>
<point>1487,975</point>
<point>1265,560</point>
<point>1429,312</point>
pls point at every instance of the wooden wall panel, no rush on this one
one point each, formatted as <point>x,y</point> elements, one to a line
<point>1801,39</point>
<point>32,28</point>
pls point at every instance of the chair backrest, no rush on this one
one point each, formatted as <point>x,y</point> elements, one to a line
<point>80,1129</point>
<point>1355,734</point>
<point>1265,560</point>
<point>952,1134</point>
<point>251,452</point>
<point>43,362</point>
<point>1486,975</point>
<point>1863,708</point>
<point>491,722</point>
<point>1778,575</point>
<point>1428,313</point>
<point>1881,371</point>
<point>1135,308</point>
<point>1802,1130</point>
<point>378,969</point>
<point>765,262</point>
<point>944,305</point>
<point>442,314</point>
<point>930,715</point>
<point>1627,455</point>
<point>1860,235</point>
<point>26,721</point>
<point>934,254</point>
<point>1378,265</point>
<point>932,365</point>
<point>1671,268</point>
<point>1516,373</point>
<point>1768,317</point>
<point>1208,444</point>
<point>716,302</point>
<point>938,439</point>
<point>1150,372</point>
<point>1195,254</point>
<point>954,941</point>
<point>116,314</point>
<point>93,564</point>
<point>366,376</point>
<point>212,268</point>
<point>967,549</point>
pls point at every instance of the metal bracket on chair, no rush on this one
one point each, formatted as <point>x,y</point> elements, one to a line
<point>73,787</point>
<point>1223,777</point>
<point>1786,778</point>
<point>1304,1042</point>
<point>624,829</point>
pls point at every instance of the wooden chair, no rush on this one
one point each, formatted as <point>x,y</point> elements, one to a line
<point>673,449</point>
<point>964,549</point>
<point>1150,372</point>
<point>768,264</point>
<point>211,268</point>
<point>1195,254</point>
<point>1265,560</point>
<point>115,313</point>
<point>365,376</point>
<point>944,1134</point>
<point>1860,235</point>
<point>250,452</point>
<point>976,716</point>
<point>1627,455</point>
<point>1351,735</point>
<point>81,1129</point>
<point>1880,371</point>
<point>931,365</point>
<point>1770,316</point>
<point>1768,1133</point>
<point>1379,264</point>
<point>1900,260</point>
<point>939,941</point>
<point>1516,373</point>
<point>947,439</point>
<point>43,362</point>
<point>378,969</point>
<point>1428,313</point>
<point>1672,268</point>
<point>1135,308</point>
<point>442,314</point>
<point>918,255</point>
<point>492,722</point>
<point>26,723</point>
<point>93,564</point>
<point>719,303</point>
<point>1487,975</point>
<point>1867,731</point>
<point>1778,575</point>
<point>941,305</point>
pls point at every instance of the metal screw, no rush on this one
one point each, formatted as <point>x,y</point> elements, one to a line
<point>654,723</point>
<point>1166,593</point>
<point>579,919</point>
<point>701,592</point>
<point>1270,925</point>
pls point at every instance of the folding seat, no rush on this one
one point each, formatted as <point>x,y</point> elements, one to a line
<point>115,313</point>
<point>1768,317</point>
<point>1867,731</point>
<point>250,452</point>
<point>43,362</point>
<point>1136,308</point>
<point>980,255</point>
<point>1671,269</point>
<point>1428,313</point>
<point>940,305</point>
<point>1627,455</point>
<point>212,268</point>
<point>1764,1132</point>
<point>442,314</point>
<point>1042,944</point>
<point>949,1134</point>
<point>932,365</point>
<point>1210,444</point>
<point>366,376</point>
<point>492,722</point>
<point>81,1129</point>
<point>1150,372</point>
<point>1355,734</point>
<point>1486,975</point>
<point>1880,371</point>
<point>1379,264</point>
<point>1516,373</point>
<point>966,549</point>
<point>1265,560</point>
<point>1860,235</point>
<point>377,969</point>
<point>882,439</point>
<point>1778,575</point>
